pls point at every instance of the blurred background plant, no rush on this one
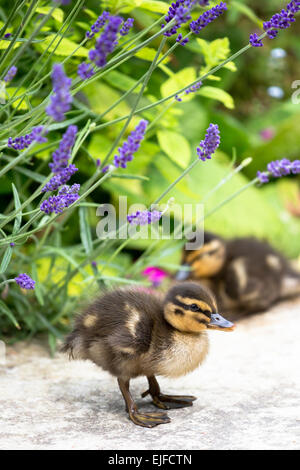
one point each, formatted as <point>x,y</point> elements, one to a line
<point>250,99</point>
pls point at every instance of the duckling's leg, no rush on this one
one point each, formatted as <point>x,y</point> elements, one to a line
<point>148,420</point>
<point>166,402</point>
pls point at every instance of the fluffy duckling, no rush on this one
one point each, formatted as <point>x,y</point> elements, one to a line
<point>131,332</point>
<point>247,275</point>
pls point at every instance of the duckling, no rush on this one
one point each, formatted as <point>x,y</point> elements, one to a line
<point>131,332</point>
<point>246,275</point>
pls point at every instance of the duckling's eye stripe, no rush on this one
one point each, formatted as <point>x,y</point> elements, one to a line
<point>202,319</point>
<point>203,306</point>
<point>201,255</point>
<point>209,248</point>
<point>178,311</point>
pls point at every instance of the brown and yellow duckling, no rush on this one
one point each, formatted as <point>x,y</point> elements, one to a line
<point>247,275</point>
<point>131,332</point>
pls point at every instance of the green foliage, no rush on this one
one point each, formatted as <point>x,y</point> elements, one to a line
<point>57,252</point>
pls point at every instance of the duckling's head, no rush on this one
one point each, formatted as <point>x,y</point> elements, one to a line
<point>204,261</point>
<point>191,308</point>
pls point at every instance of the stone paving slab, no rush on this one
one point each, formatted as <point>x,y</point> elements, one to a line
<point>248,396</point>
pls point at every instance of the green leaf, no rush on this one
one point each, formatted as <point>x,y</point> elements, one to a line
<point>18,218</point>
<point>6,311</point>
<point>149,53</point>
<point>126,6</point>
<point>217,94</point>
<point>175,146</point>
<point>57,14</point>
<point>121,81</point>
<point>66,47</point>
<point>152,5</point>
<point>6,259</point>
<point>177,81</point>
<point>10,91</point>
<point>214,52</point>
<point>85,232</point>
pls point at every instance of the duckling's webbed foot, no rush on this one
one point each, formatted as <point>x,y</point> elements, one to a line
<point>148,420</point>
<point>166,402</point>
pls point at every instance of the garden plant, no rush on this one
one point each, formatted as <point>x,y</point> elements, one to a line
<point>133,98</point>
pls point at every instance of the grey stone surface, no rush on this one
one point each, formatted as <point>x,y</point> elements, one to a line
<point>248,396</point>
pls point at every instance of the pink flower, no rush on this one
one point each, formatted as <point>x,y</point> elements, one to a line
<point>155,275</point>
<point>267,134</point>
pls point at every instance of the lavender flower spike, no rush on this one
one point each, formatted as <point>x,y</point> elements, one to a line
<point>85,70</point>
<point>131,145</point>
<point>209,145</point>
<point>20,143</point>
<point>61,156</point>
<point>144,217</point>
<point>24,281</point>
<point>282,20</point>
<point>254,41</point>
<point>207,17</point>
<point>99,23</point>
<point>66,196</point>
<point>126,27</point>
<point>279,168</point>
<point>107,42</point>
<point>10,74</point>
<point>180,11</point>
<point>61,99</point>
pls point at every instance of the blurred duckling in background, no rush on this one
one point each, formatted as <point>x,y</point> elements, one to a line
<point>130,332</point>
<point>246,275</point>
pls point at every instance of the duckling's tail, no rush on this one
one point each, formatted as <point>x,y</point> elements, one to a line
<point>73,345</point>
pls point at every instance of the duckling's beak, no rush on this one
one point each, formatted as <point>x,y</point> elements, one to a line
<point>217,322</point>
<point>183,273</point>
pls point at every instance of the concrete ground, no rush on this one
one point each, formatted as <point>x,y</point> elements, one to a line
<point>248,396</point>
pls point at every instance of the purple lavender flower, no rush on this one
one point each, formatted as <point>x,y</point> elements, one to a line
<point>20,143</point>
<point>180,11</point>
<point>131,145</point>
<point>281,20</point>
<point>24,281</point>
<point>59,166</point>
<point>63,153</point>
<point>144,217</point>
<point>107,42</point>
<point>254,41</point>
<point>105,169</point>
<point>126,26</point>
<point>60,179</point>
<point>98,162</point>
<point>61,99</point>
<point>263,176</point>
<point>209,145</point>
<point>12,244</point>
<point>182,41</point>
<point>10,74</point>
<point>193,88</point>
<point>63,2</point>
<point>99,23</point>
<point>66,196</point>
<point>207,17</point>
<point>85,70</point>
<point>7,35</point>
<point>279,168</point>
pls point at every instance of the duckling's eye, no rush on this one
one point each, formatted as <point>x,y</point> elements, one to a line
<point>195,308</point>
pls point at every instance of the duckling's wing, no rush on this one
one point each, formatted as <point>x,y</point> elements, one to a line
<point>134,334</point>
